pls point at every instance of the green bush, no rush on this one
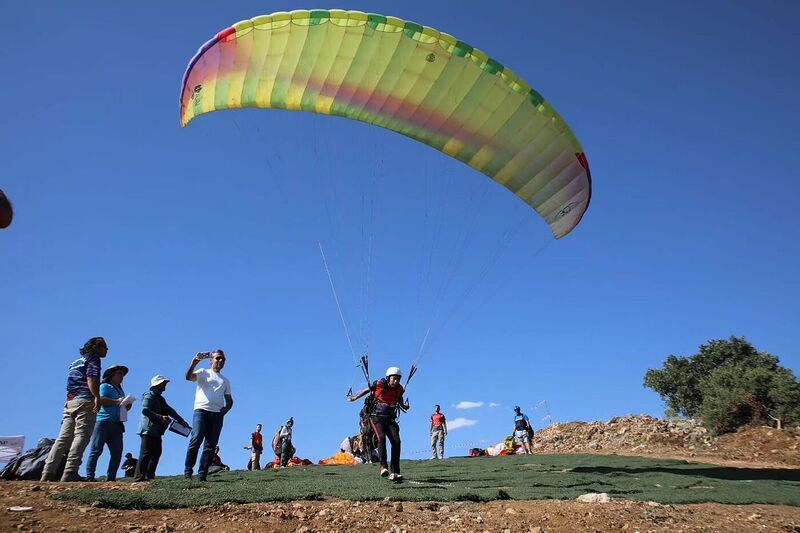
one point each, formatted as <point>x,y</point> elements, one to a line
<point>728,384</point>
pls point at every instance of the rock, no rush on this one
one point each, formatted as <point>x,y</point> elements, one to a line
<point>398,507</point>
<point>754,516</point>
<point>594,497</point>
<point>303,529</point>
<point>444,509</point>
<point>510,510</point>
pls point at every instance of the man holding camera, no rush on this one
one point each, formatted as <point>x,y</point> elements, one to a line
<point>212,401</point>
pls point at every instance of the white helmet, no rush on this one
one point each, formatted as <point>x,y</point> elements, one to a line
<point>394,371</point>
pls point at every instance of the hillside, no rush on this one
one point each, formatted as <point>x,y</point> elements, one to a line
<point>685,439</point>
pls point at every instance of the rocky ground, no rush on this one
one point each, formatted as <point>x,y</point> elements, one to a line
<point>630,435</point>
<point>682,439</point>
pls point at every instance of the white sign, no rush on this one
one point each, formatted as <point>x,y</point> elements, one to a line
<point>10,447</point>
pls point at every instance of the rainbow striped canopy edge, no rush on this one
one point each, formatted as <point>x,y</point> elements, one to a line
<point>405,77</point>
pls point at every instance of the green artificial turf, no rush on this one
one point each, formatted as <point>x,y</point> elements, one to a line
<point>535,477</point>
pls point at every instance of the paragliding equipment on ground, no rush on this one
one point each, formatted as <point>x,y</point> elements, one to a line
<point>408,78</point>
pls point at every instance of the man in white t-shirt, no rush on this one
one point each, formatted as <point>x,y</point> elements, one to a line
<point>212,401</point>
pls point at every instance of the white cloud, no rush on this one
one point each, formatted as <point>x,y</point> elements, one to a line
<point>494,404</point>
<point>460,423</point>
<point>468,405</point>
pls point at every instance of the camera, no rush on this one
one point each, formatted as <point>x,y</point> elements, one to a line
<point>203,355</point>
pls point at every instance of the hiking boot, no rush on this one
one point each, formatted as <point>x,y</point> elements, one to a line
<point>384,472</point>
<point>90,479</point>
<point>396,477</point>
<point>201,478</point>
<point>187,476</point>
<point>71,476</point>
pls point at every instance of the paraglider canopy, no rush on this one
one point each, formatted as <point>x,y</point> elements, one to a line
<point>405,77</point>
<point>6,212</point>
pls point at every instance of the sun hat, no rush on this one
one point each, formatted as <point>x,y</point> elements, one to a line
<point>158,379</point>
<point>113,368</point>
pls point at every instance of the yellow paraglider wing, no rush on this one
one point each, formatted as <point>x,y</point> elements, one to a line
<point>404,77</point>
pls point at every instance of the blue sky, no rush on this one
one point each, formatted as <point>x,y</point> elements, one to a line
<point>169,241</point>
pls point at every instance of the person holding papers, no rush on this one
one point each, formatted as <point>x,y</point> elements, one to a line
<point>109,427</point>
<point>212,400</point>
<point>155,420</point>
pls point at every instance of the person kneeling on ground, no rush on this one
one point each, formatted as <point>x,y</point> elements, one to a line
<point>129,465</point>
<point>216,463</point>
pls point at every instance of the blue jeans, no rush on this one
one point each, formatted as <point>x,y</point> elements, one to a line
<point>205,425</point>
<point>105,433</point>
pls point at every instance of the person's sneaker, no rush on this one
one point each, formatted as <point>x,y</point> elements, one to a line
<point>201,478</point>
<point>396,477</point>
<point>384,472</point>
<point>71,476</point>
<point>187,476</point>
<point>434,457</point>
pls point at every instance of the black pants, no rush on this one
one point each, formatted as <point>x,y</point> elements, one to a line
<point>387,428</point>
<point>149,454</point>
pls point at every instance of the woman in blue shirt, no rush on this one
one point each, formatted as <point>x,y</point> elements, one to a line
<point>108,429</point>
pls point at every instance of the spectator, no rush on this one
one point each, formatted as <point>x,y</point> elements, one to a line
<point>216,463</point>
<point>129,465</point>
<point>212,401</point>
<point>286,448</point>
<point>154,421</point>
<point>256,447</point>
<point>438,431</point>
<point>80,411</point>
<point>523,431</point>
<point>109,428</point>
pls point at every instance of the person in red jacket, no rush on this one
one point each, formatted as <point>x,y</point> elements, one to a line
<point>256,447</point>
<point>438,431</point>
<point>388,394</point>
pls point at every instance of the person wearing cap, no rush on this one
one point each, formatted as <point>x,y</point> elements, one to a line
<point>286,448</point>
<point>523,431</point>
<point>388,393</point>
<point>155,419</point>
<point>109,428</point>
<point>80,412</point>
<point>212,400</point>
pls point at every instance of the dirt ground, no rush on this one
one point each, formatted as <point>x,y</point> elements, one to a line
<point>387,516</point>
<point>752,448</point>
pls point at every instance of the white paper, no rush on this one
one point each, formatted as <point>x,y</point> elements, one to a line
<point>127,401</point>
<point>179,428</point>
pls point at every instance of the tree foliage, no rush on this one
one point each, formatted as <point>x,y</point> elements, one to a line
<point>727,384</point>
